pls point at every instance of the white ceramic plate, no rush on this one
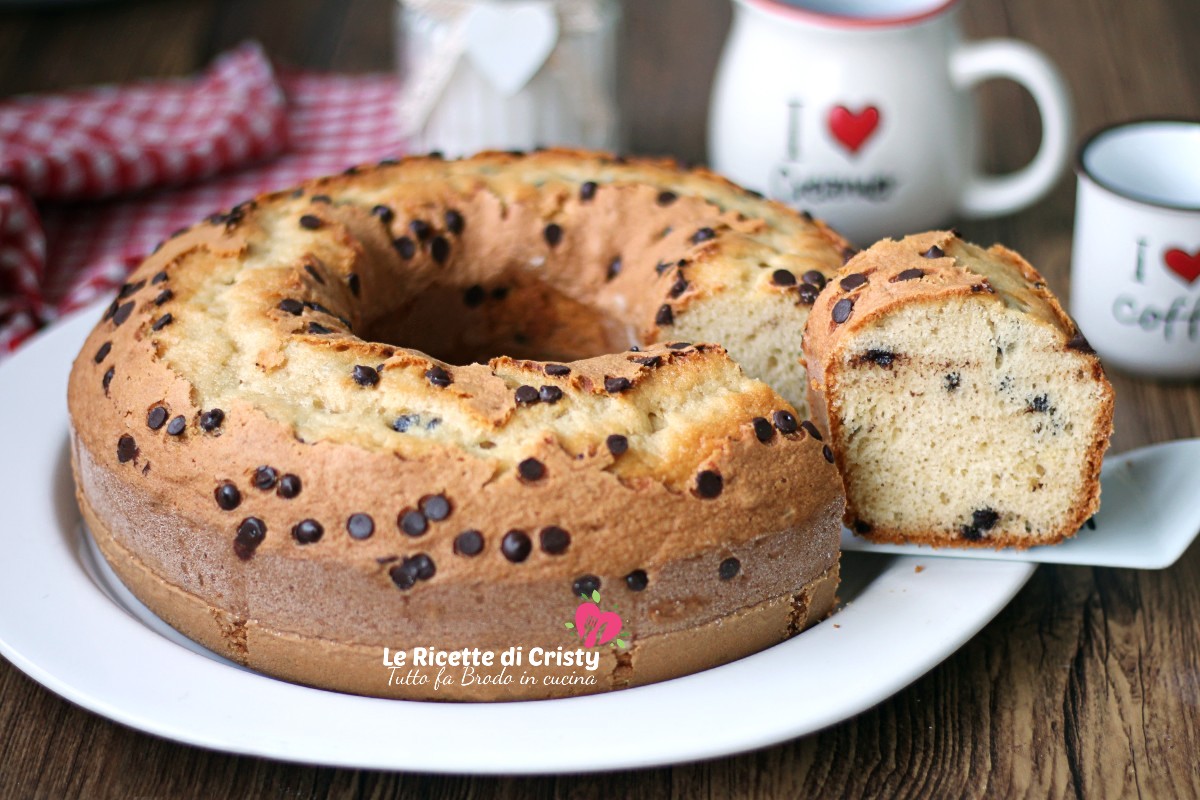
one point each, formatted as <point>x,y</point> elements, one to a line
<point>70,625</point>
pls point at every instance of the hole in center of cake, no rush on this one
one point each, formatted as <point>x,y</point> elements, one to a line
<point>515,316</point>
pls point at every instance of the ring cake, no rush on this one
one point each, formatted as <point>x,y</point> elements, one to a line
<point>963,405</point>
<point>406,407</point>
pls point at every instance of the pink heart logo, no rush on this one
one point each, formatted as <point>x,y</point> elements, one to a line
<point>853,129</point>
<point>1183,264</point>
<point>595,626</point>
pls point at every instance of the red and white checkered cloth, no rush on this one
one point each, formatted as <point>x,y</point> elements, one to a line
<point>106,142</point>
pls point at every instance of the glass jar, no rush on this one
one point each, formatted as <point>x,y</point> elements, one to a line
<point>507,74</point>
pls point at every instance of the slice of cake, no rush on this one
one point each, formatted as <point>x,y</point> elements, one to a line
<point>962,404</point>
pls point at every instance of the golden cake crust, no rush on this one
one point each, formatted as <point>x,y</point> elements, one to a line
<point>935,268</point>
<point>235,347</point>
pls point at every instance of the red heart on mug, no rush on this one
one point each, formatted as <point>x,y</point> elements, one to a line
<point>1183,264</point>
<point>853,129</point>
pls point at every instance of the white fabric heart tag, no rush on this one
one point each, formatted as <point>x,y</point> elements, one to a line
<point>509,42</point>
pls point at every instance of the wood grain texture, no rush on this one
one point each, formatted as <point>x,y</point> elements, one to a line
<point>1087,685</point>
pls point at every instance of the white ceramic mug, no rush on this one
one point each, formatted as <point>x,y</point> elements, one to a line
<point>1135,267</point>
<point>861,112</point>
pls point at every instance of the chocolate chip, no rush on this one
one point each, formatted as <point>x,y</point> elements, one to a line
<point>354,283</point>
<point>360,526</point>
<point>405,421</point>
<point>637,580</point>
<point>127,448</point>
<point>102,352</point>
<point>318,329</point>
<point>156,418</point>
<point>808,293</point>
<point>861,526</point>
<point>385,214</point>
<point>614,269</point>
<point>842,309</point>
<point>321,198</point>
<point>468,543</point>
<point>811,429</point>
<point>709,484</point>
<point>585,585</point>
<point>516,546</point>
<point>785,421</point>
<point>474,296</point>
<point>587,191</point>
<point>314,274</point>
<point>423,565</point>
<point>310,222</point>
<point>122,313</point>
<point>664,316</point>
<point>211,420</point>
<point>228,497</point>
<point>176,426</point>
<point>884,358</point>
<point>554,540</point>
<point>1078,342</point>
<point>162,322</point>
<point>435,507</point>
<point>783,277</point>
<point>107,380</point>
<point>806,214</point>
<point>616,385</point>
<point>531,469</point>
<point>440,249</point>
<point>308,531</point>
<point>550,394</point>
<point>662,267</point>
<point>159,277</point>
<point>1039,404</point>
<point>815,277</point>
<point>617,444</point>
<point>420,229</point>
<point>405,246</point>
<point>553,234</point>
<point>265,478</point>
<point>909,275</point>
<point>666,198</point>
<point>703,235</point>
<point>852,282</point>
<point>557,370</point>
<point>729,568</point>
<point>412,522</point>
<point>289,486</point>
<point>934,252</point>
<point>828,453</point>
<point>454,222</point>
<point>982,520</point>
<point>952,381</point>
<point>163,296</point>
<point>250,535</point>
<point>130,288</point>
<point>438,377</point>
<point>364,375</point>
<point>404,574</point>
<point>293,307</point>
<point>763,429</point>
<point>526,395</point>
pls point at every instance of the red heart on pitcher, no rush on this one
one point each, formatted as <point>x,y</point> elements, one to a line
<point>1183,264</point>
<point>853,129</point>
<point>595,626</point>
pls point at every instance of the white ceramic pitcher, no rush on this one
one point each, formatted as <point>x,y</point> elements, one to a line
<point>861,112</point>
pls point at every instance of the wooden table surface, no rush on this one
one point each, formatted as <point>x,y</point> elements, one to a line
<point>1088,684</point>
